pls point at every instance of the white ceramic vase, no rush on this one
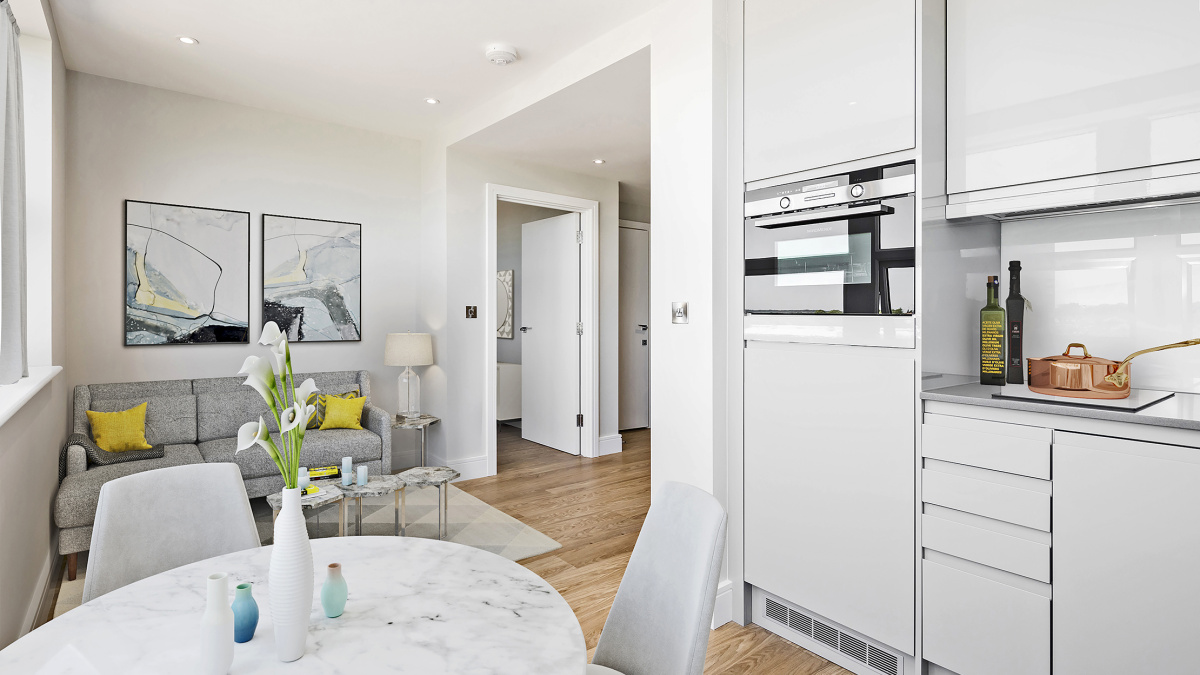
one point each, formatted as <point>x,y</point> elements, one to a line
<point>290,580</point>
<point>216,628</point>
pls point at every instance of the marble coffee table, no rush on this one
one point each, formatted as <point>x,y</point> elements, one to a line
<point>328,493</point>
<point>436,476</point>
<point>377,486</point>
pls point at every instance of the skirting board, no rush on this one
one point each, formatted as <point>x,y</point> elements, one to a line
<point>610,445</point>
<point>47,582</point>
<point>723,609</point>
<point>474,467</point>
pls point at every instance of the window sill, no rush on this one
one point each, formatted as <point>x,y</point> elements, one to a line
<point>14,396</point>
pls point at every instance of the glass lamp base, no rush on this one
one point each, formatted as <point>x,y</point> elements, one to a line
<point>410,394</point>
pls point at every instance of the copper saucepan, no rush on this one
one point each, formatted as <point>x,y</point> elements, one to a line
<point>1086,376</point>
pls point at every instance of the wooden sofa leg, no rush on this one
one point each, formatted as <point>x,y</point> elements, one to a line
<point>72,566</point>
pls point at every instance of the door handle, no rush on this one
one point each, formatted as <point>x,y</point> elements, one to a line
<point>526,329</point>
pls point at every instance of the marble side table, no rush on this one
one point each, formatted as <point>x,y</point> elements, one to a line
<point>437,476</point>
<point>423,423</point>
<point>328,494</point>
<point>377,486</point>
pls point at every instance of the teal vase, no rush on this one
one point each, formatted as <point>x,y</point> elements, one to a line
<point>245,613</point>
<point>334,592</point>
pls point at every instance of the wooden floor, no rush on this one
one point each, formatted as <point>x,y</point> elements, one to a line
<point>595,508</point>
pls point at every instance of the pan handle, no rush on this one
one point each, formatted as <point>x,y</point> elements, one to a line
<point>1120,376</point>
<point>1071,346</point>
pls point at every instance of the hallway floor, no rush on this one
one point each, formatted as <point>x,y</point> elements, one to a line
<point>595,508</point>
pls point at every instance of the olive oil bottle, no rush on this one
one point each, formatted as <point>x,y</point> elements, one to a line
<point>991,336</point>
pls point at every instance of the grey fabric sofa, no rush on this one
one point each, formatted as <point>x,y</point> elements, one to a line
<point>196,421</point>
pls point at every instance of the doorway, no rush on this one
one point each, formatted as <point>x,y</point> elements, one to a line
<point>633,411</point>
<point>562,411</point>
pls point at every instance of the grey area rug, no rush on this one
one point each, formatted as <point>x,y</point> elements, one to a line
<point>471,523</point>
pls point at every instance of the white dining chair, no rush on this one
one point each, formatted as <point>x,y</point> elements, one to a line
<point>660,619</point>
<point>157,520</point>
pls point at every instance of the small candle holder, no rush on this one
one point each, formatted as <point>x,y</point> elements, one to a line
<point>362,475</point>
<point>302,479</point>
<point>347,471</point>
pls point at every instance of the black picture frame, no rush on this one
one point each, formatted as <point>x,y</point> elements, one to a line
<point>221,334</point>
<point>268,312</point>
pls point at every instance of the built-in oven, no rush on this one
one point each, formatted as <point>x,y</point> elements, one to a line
<point>842,244</point>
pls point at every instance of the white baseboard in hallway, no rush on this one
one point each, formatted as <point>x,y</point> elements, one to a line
<point>610,444</point>
<point>723,609</point>
<point>474,467</point>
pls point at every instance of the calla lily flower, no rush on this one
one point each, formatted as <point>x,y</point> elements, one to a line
<point>271,335</point>
<point>278,359</point>
<point>252,433</point>
<point>261,377</point>
<point>292,417</point>
<point>306,389</point>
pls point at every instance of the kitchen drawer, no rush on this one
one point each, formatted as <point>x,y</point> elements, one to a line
<point>978,626</point>
<point>1026,556</point>
<point>1013,499</point>
<point>1012,448</point>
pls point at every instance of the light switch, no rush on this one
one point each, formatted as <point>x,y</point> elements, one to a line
<point>472,312</point>
<point>679,312</point>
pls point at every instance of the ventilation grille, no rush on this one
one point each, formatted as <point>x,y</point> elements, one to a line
<point>854,647</point>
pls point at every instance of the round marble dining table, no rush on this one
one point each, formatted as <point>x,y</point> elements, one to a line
<point>415,606</point>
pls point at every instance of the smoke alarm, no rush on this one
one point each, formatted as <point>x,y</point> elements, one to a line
<point>501,55</point>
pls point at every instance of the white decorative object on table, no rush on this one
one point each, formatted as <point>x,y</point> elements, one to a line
<point>408,350</point>
<point>216,628</point>
<point>290,581</point>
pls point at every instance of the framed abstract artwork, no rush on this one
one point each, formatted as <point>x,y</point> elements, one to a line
<point>312,278</point>
<point>504,304</point>
<point>187,274</point>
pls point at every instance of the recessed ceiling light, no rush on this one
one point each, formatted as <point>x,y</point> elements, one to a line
<point>853,102</point>
<point>597,161</point>
<point>188,40</point>
<point>432,101</point>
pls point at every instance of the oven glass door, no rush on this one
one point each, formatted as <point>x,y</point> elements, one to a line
<point>862,266</point>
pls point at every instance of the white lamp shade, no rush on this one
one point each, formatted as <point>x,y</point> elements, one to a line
<point>408,349</point>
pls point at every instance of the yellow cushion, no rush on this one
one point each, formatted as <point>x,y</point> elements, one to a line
<point>317,400</point>
<point>343,413</point>
<point>120,431</point>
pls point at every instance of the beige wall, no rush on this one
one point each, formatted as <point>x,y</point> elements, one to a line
<point>128,141</point>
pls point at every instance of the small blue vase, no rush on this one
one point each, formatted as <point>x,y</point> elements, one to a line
<point>245,613</point>
<point>334,592</point>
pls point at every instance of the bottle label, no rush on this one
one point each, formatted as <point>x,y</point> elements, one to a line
<point>1014,345</point>
<point>991,347</point>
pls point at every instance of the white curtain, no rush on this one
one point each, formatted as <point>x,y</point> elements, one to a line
<point>13,362</point>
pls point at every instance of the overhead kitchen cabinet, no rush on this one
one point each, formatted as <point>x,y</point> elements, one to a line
<point>1072,102</point>
<point>827,82</point>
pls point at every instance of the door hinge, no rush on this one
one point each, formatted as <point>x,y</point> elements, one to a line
<point>579,420</point>
<point>579,237</point>
<point>579,329</point>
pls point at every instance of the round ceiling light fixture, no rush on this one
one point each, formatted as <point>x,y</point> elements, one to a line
<point>188,40</point>
<point>432,101</point>
<point>597,161</point>
<point>501,54</point>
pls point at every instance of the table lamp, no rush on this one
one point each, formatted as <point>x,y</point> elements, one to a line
<point>408,350</point>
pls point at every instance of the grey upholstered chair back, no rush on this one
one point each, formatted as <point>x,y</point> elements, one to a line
<point>660,619</point>
<point>157,520</point>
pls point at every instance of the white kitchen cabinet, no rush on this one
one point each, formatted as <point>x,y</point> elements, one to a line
<point>826,82</point>
<point>1126,554</point>
<point>829,436</point>
<point>1040,91</point>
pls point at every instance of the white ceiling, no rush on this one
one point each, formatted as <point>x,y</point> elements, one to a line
<point>605,115</point>
<point>363,63</point>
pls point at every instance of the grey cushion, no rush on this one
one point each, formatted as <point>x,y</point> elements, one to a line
<point>75,504</point>
<point>660,620</point>
<point>158,520</point>
<point>221,414</point>
<point>169,419</point>
<point>321,448</point>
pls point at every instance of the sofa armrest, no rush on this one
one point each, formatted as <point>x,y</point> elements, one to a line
<point>379,421</point>
<point>76,459</point>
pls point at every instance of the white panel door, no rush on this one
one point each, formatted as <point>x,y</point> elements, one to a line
<point>633,406</point>
<point>1126,546</point>
<point>827,81</point>
<point>829,465</point>
<point>1040,90</point>
<point>549,344</point>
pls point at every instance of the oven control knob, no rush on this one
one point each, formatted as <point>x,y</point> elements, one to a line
<point>856,190</point>
<point>785,202</point>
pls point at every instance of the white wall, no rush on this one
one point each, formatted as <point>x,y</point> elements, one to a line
<point>509,219</point>
<point>128,141</point>
<point>461,358</point>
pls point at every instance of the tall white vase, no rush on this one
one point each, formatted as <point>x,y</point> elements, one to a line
<point>290,580</point>
<point>216,628</point>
